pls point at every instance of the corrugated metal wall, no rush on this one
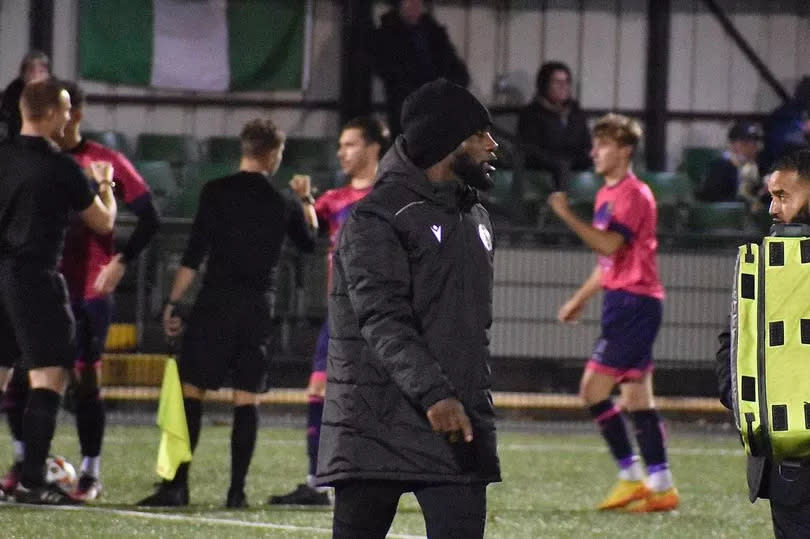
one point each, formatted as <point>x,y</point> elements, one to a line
<point>532,284</point>
<point>604,42</point>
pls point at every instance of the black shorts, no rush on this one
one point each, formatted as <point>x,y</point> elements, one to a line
<point>227,341</point>
<point>36,324</point>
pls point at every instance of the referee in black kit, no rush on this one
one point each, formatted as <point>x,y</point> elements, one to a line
<point>39,188</point>
<point>241,223</point>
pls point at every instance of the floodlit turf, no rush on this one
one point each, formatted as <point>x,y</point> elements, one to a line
<point>551,484</point>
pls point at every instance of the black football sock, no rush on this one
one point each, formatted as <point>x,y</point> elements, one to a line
<point>39,424</point>
<point>243,442</point>
<point>193,408</point>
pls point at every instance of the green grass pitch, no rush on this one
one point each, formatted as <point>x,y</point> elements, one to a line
<point>551,483</point>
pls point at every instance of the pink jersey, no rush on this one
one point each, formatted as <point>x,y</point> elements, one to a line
<point>629,208</point>
<point>86,252</point>
<point>335,206</point>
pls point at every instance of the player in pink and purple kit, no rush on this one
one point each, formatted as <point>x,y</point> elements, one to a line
<point>623,234</point>
<point>362,143</point>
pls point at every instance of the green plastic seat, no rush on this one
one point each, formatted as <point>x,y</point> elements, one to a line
<point>161,180</point>
<point>583,187</point>
<point>501,192</point>
<point>193,177</point>
<point>582,191</point>
<point>696,161</point>
<point>114,140</point>
<point>536,184</point>
<point>719,217</point>
<point>308,154</point>
<point>223,149</point>
<point>176,149</point>
<point>673,194</point>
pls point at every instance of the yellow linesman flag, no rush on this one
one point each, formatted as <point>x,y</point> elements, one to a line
<point>175,446</point>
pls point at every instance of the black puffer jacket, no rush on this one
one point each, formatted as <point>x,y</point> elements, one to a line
<point>409,311</point>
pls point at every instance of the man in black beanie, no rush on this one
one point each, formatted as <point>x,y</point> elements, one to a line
<point>408,405</point>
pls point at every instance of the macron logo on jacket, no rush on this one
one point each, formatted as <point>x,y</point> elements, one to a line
<point>437,231</point>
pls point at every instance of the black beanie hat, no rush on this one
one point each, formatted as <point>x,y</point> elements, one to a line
<point>437,117</point>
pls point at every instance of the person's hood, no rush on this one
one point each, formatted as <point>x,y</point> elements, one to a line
<point>396,167</point>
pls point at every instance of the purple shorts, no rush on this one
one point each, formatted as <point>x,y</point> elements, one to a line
<point>93,319</point>
<point>630,323</point>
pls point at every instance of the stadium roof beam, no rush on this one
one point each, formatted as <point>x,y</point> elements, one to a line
<point>40,20</point>
<point>746,49</point>
<point>355,59</point>
<point>659,19</point>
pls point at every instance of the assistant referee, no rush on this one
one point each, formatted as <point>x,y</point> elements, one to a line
<point>241,224</point>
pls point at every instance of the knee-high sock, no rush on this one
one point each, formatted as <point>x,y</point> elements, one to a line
<point>314,413</point>
<point>243,441</point>
<point>14,403</point>
<point>609,418</point>
<point>90,422</point>
<point>39,424</point>
<point>650,437</point>
<point>193,408</point>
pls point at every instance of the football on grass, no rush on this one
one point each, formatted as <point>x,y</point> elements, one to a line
<point>59,471</point>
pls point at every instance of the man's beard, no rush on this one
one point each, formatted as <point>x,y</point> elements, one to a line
<point>472,173</point>
<point>803,216</point>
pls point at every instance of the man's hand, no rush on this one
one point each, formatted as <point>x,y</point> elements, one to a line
<point>558,201</point>
<point>301,185</point>
<point>102,171</point>
<point>448,415</point>
<point>110,276</point>
<point>172,324</point>
<point>570,311</point>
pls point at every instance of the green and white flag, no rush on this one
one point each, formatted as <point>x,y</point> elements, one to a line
<point>207,45</point>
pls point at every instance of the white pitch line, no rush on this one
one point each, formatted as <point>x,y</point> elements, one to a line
<point>196,519</point>
<point>547,448</point>
<point>539,447</point>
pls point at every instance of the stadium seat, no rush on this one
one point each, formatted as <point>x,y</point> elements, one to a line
<point>696,161</point>
<point>673,194</point>
<point>223,149</point>
<point>111,139</point>
<point>307,154</point>
<point>669,188</point>
<point>193,178</point>
<point>717,217</point>
<point>160,178</point>
<point>582,191</point>
<point>501,192</point>
<point>281,179</point>
<point>536,184</point>
<point>176,149</point>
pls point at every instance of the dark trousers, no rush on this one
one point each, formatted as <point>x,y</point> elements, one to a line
<point>367,508</point>
<point>791,522</point>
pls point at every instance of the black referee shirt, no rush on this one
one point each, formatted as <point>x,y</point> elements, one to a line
<point>241,224</point>
<point>39,187</point>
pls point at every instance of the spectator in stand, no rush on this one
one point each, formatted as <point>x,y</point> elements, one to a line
<point>35,66</point>
<point>735,174</point>
<point>788,126</point>
<point>552,128</point>
<point>409,49</point>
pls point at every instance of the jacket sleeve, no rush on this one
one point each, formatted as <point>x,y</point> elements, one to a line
<point>723,366</point>
<point>378,278</point>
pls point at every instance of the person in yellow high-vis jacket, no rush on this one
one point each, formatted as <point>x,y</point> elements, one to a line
<point>787,490</point>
